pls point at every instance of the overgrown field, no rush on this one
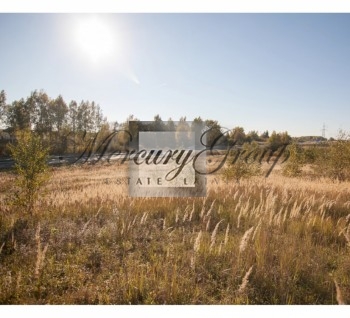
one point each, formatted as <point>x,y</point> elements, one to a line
<point>260,241</point>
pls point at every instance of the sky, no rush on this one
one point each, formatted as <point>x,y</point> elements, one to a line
<point>283,72</point>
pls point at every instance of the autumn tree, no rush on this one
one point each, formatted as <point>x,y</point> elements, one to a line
<point>30,157</point>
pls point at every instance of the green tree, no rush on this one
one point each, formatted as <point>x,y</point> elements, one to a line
<point>73,121</point>
<point>293,166</point>
<point>181,134</point>
<point>241,169</point>
<point>214,136</point>
<point>242,164</point>
<point>100,121</point>
<point>334,161</point>
<point>30,156</point>
<point>59,111</point>
<point>158,124</point>
<point>197,126</point>
<point>277,140</point>
<point>2,107</point>
<point>237,135</point>
<point>252,136</point>
<point>285,138</point>
<point>43,120</point>
<point>310,154</point>
<point>18,116</point>
<point>265,135</point>
<point>85,119</point>
<point>170,125</point>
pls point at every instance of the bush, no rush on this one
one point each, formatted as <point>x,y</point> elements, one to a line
<point>293,167</point>
<point>242,167</point>
<point>334,160</point>
<point>31,168</point>
<point>310,155</point>
<point>276,140</point>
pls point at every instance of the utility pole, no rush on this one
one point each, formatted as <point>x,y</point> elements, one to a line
<point>324,130</point>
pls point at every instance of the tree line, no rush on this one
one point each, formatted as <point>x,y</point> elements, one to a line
<point>43,114</point>
<point>67,127</point>
<point>60,124</point>
<point>80,127</point>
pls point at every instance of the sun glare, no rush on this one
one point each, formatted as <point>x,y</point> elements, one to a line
<point>95,39</point>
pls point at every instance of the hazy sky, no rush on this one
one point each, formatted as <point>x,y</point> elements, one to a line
<point>260,71</point>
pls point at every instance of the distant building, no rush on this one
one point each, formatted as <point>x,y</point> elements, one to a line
<point>310,139</point>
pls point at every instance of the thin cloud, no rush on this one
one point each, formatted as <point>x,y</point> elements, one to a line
<point>133,77</point>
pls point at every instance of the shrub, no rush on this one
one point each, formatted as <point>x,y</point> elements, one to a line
<point>31,168</point>
<point>293,166</point>
<point>242,166</point>
<point>334,161</point>
<point>276,140</point>
<point>310,155</point>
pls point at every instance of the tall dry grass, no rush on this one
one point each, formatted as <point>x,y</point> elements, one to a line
<point>260,241</point>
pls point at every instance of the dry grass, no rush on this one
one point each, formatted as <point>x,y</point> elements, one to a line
<point>260,241</point>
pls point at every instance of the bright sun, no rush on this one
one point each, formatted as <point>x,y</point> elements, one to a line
<point>95,39</point>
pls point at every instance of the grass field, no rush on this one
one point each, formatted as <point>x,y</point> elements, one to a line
<point>260,241</point>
